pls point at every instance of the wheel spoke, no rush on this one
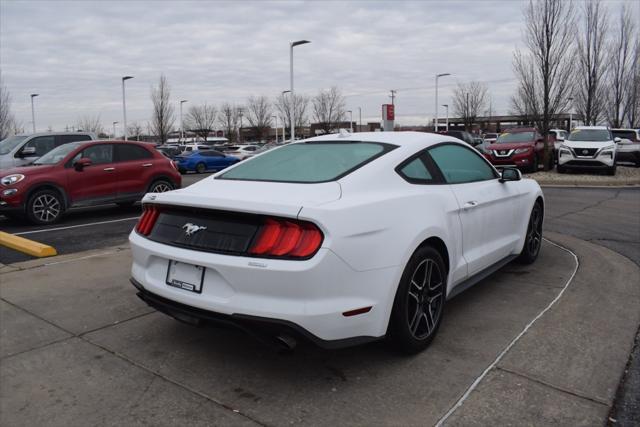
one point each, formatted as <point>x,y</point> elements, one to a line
<point>413,325</point>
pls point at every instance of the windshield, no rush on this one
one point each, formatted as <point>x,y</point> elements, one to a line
<point>509,138</point>
<point>57,154</point>
<point>625,134</point>
<point>8,144</point>
<point>308,162</point>
<point>592,135</point>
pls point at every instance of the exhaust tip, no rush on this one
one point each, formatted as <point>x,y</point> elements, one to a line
<point>286,342</point>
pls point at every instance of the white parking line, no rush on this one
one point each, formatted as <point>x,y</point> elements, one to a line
<point>76,226</point>
<point>473,385</point>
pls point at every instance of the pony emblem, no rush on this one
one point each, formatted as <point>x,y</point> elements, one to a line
<point>191,229</point>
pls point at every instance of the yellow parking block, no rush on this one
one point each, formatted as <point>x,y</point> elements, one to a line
<point>27,246</point>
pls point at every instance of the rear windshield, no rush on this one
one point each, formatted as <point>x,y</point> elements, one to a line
<point>308,162</point>
<point>507,137</point>
<point>590,135</point>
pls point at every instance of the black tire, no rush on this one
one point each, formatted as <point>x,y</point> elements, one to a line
<point>45,207</point>
<point>561,169</point>
<point>160,186</point>
<point>533,240</point>
<point>201,168</point>
<point>418,311</point>
<point>612,170</point>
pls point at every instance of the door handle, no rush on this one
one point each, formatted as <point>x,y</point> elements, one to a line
<point>146,165</point>
<point>109,169</point>
<point>471,204</point>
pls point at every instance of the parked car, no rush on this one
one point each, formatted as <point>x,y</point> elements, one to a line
<point>589,147</point>
<point>490,137</point>
<point>82,174</point>
<point>188,148</point>
<point>628,149</point>
<point>519,147</point>
<point>204,160</point>
<point>462,135</point>
<point>338,239</point>
<point>20,150</point>
<point>558,135</point>
<point>169,151</point>
<point>243,151</point>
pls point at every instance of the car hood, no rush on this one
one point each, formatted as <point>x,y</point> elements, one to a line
<point>274,198</point>
<point>509,146</point>
<point>587,144</point>
<point>28,170</point>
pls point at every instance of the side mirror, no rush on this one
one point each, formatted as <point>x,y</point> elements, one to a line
<point>616,140</point>
<point>28,152</point>
<point>82,163</point>
<point>510,174</point>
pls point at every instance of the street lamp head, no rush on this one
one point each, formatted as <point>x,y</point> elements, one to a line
<point>33,95</point>
<point>286,91</point>
<point>445,105</point>
<point>184,100</point>
<point>443,74</point>
<point>127,78</point>
<point>299,42</point>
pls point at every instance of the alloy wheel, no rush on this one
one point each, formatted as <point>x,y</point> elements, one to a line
<point>46,208</point>
<point>534,232</point>
<point>425,299</point>
<point>161,187</point>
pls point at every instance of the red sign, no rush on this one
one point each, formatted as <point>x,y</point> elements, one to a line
<point>388,112</point>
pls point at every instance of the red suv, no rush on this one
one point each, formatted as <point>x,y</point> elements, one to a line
<point>521,147</point>
<point>85,173</point>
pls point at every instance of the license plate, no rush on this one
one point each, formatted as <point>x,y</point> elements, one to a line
<point>185,276</point>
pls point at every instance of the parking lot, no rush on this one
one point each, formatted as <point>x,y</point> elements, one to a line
<point>79,347</point>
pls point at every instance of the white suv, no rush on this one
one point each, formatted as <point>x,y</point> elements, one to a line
<point>588,147</point>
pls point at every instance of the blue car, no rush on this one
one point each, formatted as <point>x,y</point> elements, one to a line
<point>204,160</point>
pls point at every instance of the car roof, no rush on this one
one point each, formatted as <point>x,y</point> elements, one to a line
<point>57,133</point>
<point>592,127</point>
<point>517,130</point>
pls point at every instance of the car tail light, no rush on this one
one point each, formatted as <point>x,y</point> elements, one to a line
<point>174,164</point>
<point>287,239</point>
<point>148,219</point>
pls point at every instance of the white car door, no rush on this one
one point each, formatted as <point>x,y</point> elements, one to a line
<point>488,208</point>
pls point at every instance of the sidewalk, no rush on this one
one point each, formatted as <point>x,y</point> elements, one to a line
<point>77,347</point>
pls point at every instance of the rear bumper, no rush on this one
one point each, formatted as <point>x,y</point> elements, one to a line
<point>259,327</point>
<point>308,296</point>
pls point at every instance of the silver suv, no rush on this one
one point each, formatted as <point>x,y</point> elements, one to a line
<point>20,150</point>
<point>629,145</point>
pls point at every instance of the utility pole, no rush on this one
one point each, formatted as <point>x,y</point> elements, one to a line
<point>393,96</point>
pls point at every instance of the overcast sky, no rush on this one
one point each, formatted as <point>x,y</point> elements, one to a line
<point>73,53</point>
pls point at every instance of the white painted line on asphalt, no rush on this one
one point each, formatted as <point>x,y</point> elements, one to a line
<point>473,385</point>
<point>75,226</point>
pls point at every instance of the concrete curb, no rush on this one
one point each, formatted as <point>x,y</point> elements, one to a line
<point>59,259</point>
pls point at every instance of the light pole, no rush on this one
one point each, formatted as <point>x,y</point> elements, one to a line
<point>124,107</point>
<point>350,120</point>
<point>435,124</point>
<point>284,133</point>
<point>33,114</point>
<point>240,130</point>
<point>359,119</point>
<point>570,114</point>
<point>276,126</point>
<point>181,126</point>
<point>293,99</point>
<point>114,129</point>
<point>447,122</point>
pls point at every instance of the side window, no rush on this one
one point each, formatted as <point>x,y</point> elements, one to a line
<point>42,144</point>
<point>459,164</point>
<point>216,154</point>
<point>64,139</point>
<point>416,171</point>
<point>131,152</point>
<point>99,154</point>
<point>206,153</point>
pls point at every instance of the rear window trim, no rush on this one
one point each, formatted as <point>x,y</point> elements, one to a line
<point>386,148</point>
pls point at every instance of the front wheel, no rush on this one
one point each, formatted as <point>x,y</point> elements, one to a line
<point>612,170</point>
<point>201,168</point>
<point>160,186</point>
<point>533,240</point>
<point>419,302</point>
<point>45,207</point>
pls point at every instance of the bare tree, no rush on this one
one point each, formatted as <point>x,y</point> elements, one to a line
<point>329,109</point>
<point>163,112</point>
<point>620,52</point>
<point>632,104</point>
<point>589,89</point>
<point>259,115</point>
<point>545,72</point>
<point>283,106</point>
<point>134,130</point>
<point>201,120</point>
<point>229,119</point>
<point>6,118</point>
<point>468,101</point>
<point>90,123</point>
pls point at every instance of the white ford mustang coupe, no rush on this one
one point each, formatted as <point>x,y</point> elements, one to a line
<point>340,239</point>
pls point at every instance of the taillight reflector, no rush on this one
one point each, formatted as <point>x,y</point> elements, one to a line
<point>147,220</point>
<point>287,239</point>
